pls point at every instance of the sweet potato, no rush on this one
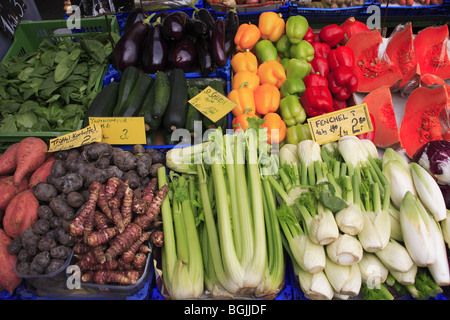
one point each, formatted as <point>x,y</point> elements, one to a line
<point>8,190</point>
<point>31,154</point>
<point>8,278</point>
<point>21,213</point>
<point>41,173</point>
<point>8,160</point>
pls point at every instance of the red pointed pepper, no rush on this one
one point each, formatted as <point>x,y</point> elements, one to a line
<point>342,82</point>
<point>315,80</point>
<point>309,36</point>
<point>321,49</point>
<point>320,65</point>
<point>317,100</point>
<point>341,56</point>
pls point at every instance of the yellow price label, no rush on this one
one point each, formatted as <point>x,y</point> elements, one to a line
<point>332,126</point>
<point>87,135</point>
<point>121,130</point>
<point>212,104</point>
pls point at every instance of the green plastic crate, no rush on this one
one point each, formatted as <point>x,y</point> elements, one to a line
<point>28,36</point>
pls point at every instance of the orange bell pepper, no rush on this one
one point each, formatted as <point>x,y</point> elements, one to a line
<point>241,122</point>
<point>251,79</point>
<point>247,35</point>
<point>276,128</point>
<point>246,60</point>
<point>267,98</point>
<point>272,72</point>
<point>243,97</point>
<point>271,25</point>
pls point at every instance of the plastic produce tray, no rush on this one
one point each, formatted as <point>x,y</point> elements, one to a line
<point>54,286</point>
<point>357,11</point>
<point>415,10</point>
<point>28,36</point>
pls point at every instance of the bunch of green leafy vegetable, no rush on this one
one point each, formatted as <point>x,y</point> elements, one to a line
<point>51,88</point>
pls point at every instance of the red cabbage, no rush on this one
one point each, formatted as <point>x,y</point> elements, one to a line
<point>434,156</point>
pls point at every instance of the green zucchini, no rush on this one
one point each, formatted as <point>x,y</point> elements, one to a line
<point>104,102</point>
<point>151,124</point>
<point>193,114</point>
<point>133,104</point>
<point>162,94</point>
<point>176,112</point>
<point>129,77</point>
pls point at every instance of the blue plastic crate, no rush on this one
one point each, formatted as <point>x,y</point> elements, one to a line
<point>422,10</point>
<point>357,11</point>
<point>5,295</point>
<point>284,10</point>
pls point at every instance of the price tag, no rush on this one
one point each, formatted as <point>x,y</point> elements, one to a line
<point>87,135</point>
<point>332,126</point>
<point>121,130</point>
<point>212,104</point>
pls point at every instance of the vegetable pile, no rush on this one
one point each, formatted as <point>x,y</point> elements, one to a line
<point>50,89</point>
<point>165,41</point>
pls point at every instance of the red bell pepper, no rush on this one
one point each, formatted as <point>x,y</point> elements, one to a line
<point>342,82</point>
<point>332,35</point>
<point>371,134</point>
<point>309,36</point>
<point>321,49</point>
<point>339,104</point>
<point>341,56</point>
<point>317,100</point>
<point>319,65</point>
<point>315,80</point>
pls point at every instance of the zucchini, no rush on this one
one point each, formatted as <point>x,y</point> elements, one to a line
<point>193,114</point>
<point>133,104</point>
<point>176,112</point>
<point>103,104</point>
<point>162,94</point>
<point>129,77</point>
<point>222,123</point>
<point>151,123</point>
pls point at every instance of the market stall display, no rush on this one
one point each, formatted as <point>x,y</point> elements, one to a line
<point>247,205</point>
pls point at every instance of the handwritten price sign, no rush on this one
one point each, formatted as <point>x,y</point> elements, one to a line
<point>87,135</point>
<point>121,130</point>
<point>332,126</point>
<point>212,104</point>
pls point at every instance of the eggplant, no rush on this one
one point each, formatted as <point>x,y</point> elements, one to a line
<point>136,15</point>
<point>231,26</point>
<point>183,55</point>
<point>197,28</point>
<point>218,43</point>
<point>174,25</point>
<point>154,56</point>
<point>205,16</point>
<point>204,56</point>
<point>127,51</point>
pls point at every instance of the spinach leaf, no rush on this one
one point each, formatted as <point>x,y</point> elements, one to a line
<point>8,123</point>
<point>65,67</point>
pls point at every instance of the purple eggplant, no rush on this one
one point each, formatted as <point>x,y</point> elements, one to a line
<point>127,51</point>
<point>136,15</point>
<point>231,26</point>
<point>174,25</point>
<point>204,56</point>
<point>197,28</point>
<point>154,55</point>
<point>205,16</point>
<point>183,55</point>
<point>218,43</point>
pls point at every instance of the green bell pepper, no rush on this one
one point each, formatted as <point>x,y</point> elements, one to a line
<point>296,28</point>
<point>265,50</point>
<point>302,50</point>
<point>297,68</point>
<point>292,111</point>
<point>297,133</point>
<point>283,45</point>
<point>284,62</point>
<point>294,86</point>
